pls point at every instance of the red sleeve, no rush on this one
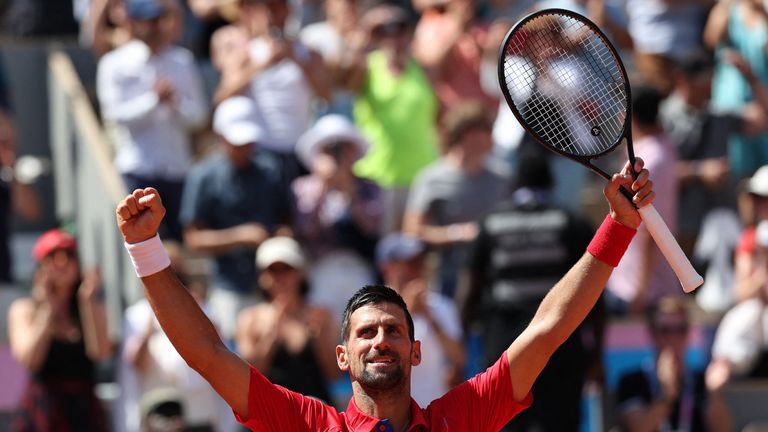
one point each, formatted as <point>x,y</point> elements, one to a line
<point>483,403</point>
<point>275,408</point>
<point>747,242</point>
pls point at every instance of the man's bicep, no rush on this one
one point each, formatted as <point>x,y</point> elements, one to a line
<point>527,358</point>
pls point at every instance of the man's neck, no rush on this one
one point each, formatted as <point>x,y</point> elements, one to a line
<point>394,405</point>
<point>471,164</point>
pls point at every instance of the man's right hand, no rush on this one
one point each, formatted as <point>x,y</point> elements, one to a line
<point>139,215</point>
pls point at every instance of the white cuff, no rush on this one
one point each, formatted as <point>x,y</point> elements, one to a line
<point>149,256</point>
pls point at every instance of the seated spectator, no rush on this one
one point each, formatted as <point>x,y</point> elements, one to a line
<point>285,338</point>
<point>750,275</point>
<point>401,260</point>
<point>151,93</point>
<point>450,196</point>
<point>234,200</point>
<point>59,334</point>
<point>666,394</point>
<point>338,214</point>
<point>740,349</point>
<point>162,410</point>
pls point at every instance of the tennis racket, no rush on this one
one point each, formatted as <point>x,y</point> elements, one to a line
<point>567,86</point>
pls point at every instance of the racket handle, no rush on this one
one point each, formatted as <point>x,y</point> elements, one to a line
<point>671,250</point>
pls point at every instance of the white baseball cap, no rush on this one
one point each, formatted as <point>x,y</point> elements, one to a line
<point>280,249</point>
<point>758,183</point>
<point>235,120</point>
<point>328,129</point>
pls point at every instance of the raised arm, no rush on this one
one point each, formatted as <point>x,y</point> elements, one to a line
<point>570,300</point>
<point>189,329</point>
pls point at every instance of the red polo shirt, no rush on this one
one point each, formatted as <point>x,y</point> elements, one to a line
<point>482,403</point>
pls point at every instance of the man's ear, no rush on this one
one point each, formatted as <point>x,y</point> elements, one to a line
<point>416,353</point>
<point>341,358</point>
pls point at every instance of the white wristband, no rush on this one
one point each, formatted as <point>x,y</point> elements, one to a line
<point>149,256</point>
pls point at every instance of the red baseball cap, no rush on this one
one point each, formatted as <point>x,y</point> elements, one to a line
<point>52,240</point>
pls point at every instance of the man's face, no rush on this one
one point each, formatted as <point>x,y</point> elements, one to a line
<point>398,273</point>
<point>378,353</point>
<point>150,31</point>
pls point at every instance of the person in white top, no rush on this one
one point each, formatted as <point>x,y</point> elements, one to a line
<point>282,76</point>
<point>401,260</point>
<point>740,349</point>
<point>152,98</point>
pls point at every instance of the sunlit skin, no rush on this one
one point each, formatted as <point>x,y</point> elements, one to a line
<point>378,353</point>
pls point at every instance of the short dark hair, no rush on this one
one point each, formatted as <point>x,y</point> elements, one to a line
<point>645,104</point>
<point>465,116</point>
<point>372,294</point>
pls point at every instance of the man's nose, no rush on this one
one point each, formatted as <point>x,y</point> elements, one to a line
<point>381,341</point>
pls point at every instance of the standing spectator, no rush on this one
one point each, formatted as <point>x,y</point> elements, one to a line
<point>707,190</point>
<point>396,108</point>
<point>338,214</point>
<point>281,75</point>
<point>401,260</point>
<point>451,195</point>
<point>287,339</point>
<point>665,394</point>
<point>152,93</point>
<point>151,366</point>
<point>40,18</point>
<point>449,43</point>
<point>645,276</point>
<point>740,349</point>
<point>739,26</point>
<point>523,246</point>
<point>233,201</point>
<point>58,334</point>
<point>332,39</point>
<point>663,32</point>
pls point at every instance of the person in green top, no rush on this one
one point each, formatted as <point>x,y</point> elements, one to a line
<point>396,107</point>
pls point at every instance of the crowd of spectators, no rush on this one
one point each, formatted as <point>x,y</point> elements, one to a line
<point>308,148</point>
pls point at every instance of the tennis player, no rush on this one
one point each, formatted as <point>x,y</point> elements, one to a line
<point>378,348</point>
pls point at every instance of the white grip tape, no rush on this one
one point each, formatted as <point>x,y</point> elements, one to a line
<point>149,256</point>
<point>666,242</point>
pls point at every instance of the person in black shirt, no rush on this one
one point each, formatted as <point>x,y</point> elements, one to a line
<point>523,245</point>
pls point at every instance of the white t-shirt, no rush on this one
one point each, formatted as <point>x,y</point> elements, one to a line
<point>741,335</point>
<point>428,379</point>
<point>283,98</point>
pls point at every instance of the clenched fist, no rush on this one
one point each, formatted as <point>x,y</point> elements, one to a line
<point>139,215</point>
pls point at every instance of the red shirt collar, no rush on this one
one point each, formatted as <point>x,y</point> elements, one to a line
<point>358,421</point>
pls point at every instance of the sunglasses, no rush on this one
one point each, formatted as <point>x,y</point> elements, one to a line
<point>394,28</point>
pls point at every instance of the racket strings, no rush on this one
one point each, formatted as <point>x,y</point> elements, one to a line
<point>566,85</point>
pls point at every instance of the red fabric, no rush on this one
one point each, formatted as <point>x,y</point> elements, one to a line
<point>52,240</point>
<point>611,241</point>
<point>747,242</point>
<point>482,403</point>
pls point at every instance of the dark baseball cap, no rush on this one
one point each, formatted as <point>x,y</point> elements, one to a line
<point>399,247</point>
<point>142,10</point>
